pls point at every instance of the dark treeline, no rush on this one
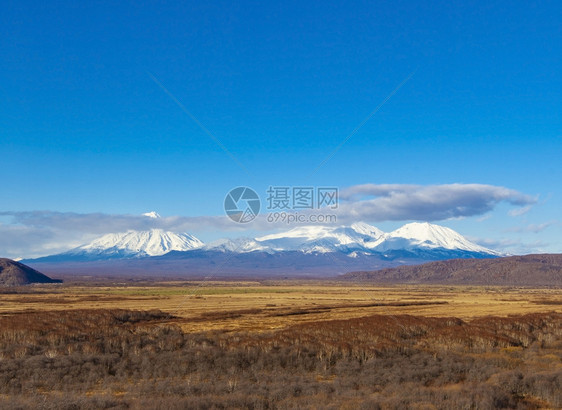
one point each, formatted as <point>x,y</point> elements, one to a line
<point>128,359</point>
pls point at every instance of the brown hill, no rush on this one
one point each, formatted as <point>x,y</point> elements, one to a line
<point>527,270</point>
<point>13,273</point>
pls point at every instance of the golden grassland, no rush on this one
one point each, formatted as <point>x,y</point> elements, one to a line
<point>279,345</point>
<point>256,306</point>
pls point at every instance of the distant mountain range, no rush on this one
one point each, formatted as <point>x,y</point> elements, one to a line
<point>314,250</point>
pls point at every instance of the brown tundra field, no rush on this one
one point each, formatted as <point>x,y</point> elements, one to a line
<point>279,345</point>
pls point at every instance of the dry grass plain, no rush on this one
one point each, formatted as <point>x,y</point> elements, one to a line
<point>255,306</point>
<point>279,345</point>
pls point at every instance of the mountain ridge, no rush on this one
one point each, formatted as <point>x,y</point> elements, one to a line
<point>524,270</point>
<point>359,246</point>
<point>358,237</point>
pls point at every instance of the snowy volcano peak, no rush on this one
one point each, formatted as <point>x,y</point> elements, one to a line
<point>140,243</point>
<point>367,230</point>
<point>152,214</point>
<point>432,235</point>
<point>322,238</point>
<point>426,235</point>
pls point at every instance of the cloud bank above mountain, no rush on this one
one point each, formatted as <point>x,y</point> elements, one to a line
<point>394,202</point>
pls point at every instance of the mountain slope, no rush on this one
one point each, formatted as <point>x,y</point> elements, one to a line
<point>527,270</point>
<point>427,236</point>
<point>145,243</point>
<point>13,273</point>
<point>323,238</point>
<point>131,244</point>
<point>237,245</point>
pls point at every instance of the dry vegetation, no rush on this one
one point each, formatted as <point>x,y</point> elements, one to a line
<point>279,345</point>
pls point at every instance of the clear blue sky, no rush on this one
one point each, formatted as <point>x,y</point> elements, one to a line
<point>84,128</point>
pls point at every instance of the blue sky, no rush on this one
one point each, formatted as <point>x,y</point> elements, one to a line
<point>86,129</point>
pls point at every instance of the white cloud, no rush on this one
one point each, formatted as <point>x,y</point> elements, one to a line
<point>484,217</point>
<point>513,246</point>
<point>533,228</point>
<point>519,211</point>
<point>427,203</point>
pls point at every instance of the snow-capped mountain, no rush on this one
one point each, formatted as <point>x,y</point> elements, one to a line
<point>359,245</point>
<point>320,239</point>
<point>358,238</point>
<point>237,245</point>
<point>323,239</point>
<point>414,236</point>
<point>144,243</point>
<point>153,242</point>
<point>130,244</point>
